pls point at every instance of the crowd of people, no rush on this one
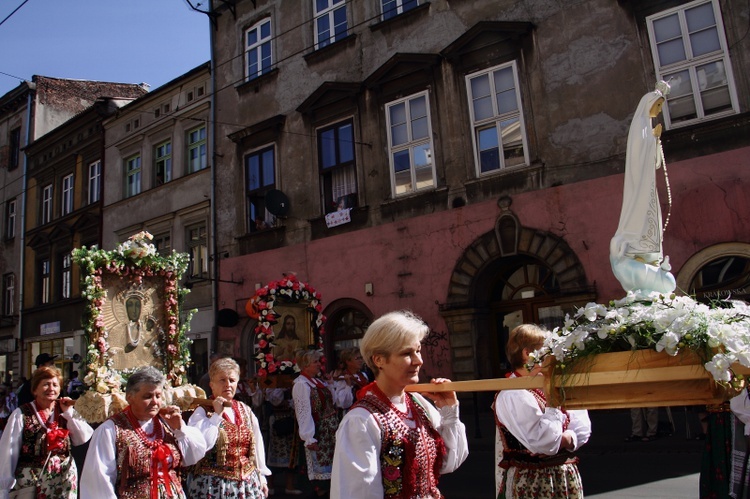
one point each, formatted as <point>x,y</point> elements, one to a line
<point>353,433</point>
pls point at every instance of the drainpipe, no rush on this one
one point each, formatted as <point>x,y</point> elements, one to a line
<point>22,277</point>
<point>212,140</point>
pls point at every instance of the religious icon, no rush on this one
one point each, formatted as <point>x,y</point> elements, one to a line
<point>292,334</point>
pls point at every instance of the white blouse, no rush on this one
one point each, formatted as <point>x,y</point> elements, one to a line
<point>342,398</point>
<point>100,468</point>
<point>356,460</point>
<point>10,443</point>
<point>740,406</point>
<point>209,428</point>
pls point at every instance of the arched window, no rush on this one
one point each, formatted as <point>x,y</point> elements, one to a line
<point>346,324</point>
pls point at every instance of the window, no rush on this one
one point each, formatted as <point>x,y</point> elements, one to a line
<point>65,275</point>
<point>337,168</point>
<point>392,8</point>
<point>198,250</point>
<point>410,141</point>
<point>260,174</point>
<point>132,176</point>
<point>163,243</point>
<point>258,58</point>
<point>14,141</point>
<point>95,178</point>
<point>498,131</point>
<point>10,219</point>
<point>690,51</point>
<point>67,195</point>
<point>163,163</point>
<point>197,149</point>
<point>47,204</point>
<point>45,281</point>
<point>9,294</point>
<point>330,22</point>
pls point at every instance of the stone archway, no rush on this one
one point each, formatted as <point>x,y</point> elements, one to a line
<point>466,310</point>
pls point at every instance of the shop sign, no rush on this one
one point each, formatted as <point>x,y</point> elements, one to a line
<point>50,328</point>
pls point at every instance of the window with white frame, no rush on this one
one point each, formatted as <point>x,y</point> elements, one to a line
<point>45,281</point>
<point>260,177</point>
<point>47,204</point>
<point>499,134</point>
<point>197,242</point>
<point>67,195</point>
<point>410,144</point>
<point>163,163</point>
<point>95,177</point>
<point>392,8</point>
<point>338,178</point>
<point>10,219</point>
<point>133,176</point>
<point>330,22</point>
<point>9,294</point>
<point>196,152</point>
<point>65,275</point>
<point>689,48</point>
<point>258,54</point>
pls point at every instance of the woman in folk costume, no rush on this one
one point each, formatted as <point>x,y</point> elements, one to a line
<point>37,440</point>
<point>138,453</point>
<point>535,444</point>
<point>235,464</point>
<point>350,370</point>
<point>316,405</point>
<point>393,444</point>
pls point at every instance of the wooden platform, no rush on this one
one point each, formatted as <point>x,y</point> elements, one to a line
<point>641,378</point>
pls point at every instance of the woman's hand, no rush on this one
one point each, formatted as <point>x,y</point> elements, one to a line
<point>172,415</point>
<point>66,403</point>
<point>219,405</point>
<point>442,399</point>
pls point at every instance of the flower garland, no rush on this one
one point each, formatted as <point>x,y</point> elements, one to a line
<point>718,333</point>
<point>287,290</point>
<point>133,260</point>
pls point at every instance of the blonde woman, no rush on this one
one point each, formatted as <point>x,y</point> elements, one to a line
<point>372,459</point>
<point>235,463</point>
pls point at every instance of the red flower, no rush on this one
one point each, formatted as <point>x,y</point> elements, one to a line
<point>262,344</point>
<point>262,372</point>
<point>391,473</point>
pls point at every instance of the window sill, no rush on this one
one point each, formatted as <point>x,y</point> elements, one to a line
<point>359,219</point>
<point>403,18</point>
<point>255,84</point>
<point>262,240</point>
<point>323,54</point>
<point>706,137</point>
<point>416,204</point>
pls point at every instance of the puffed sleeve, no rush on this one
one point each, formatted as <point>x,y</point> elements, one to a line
<point>191,443</point>
<point>540,432</point>
<point>100,467</point>
<point>343,396</point>
<point>580,426</point>
<point>452,430</point>
<point>303,411</point>
<point>208,426</point>
<point>10,443</point>
<point>356,458</point>
<point>80,430</point>
<point>260,448</point>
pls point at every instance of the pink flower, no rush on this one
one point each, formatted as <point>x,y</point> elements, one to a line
<point>391,473</point>
<point>271,368</point>
<point>262,344</point>
<point>269,357</point>
<point>172,349</point>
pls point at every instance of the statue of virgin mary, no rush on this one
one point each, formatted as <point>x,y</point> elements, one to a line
<point>635,251</point>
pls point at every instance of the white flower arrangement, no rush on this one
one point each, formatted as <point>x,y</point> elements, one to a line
<point>719,333</point>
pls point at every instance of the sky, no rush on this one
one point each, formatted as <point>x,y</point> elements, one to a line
<point>125,41</point>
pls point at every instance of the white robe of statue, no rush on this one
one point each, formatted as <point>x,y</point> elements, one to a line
<point>635,251</point>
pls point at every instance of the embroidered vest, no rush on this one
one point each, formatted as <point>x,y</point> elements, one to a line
<point>34,440</point>
<point>410,458</point>
<point>517,456</point>
<point>134,461</point>
<point>233,455</point>
<point>326,419</point>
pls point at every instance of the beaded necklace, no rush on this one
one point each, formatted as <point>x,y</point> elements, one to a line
<point>160,452</point>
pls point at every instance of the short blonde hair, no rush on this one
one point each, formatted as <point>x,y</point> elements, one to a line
<point>306,357</point>
<point>223,365</point>
<point>528,336</point>
<point>389,334</point>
